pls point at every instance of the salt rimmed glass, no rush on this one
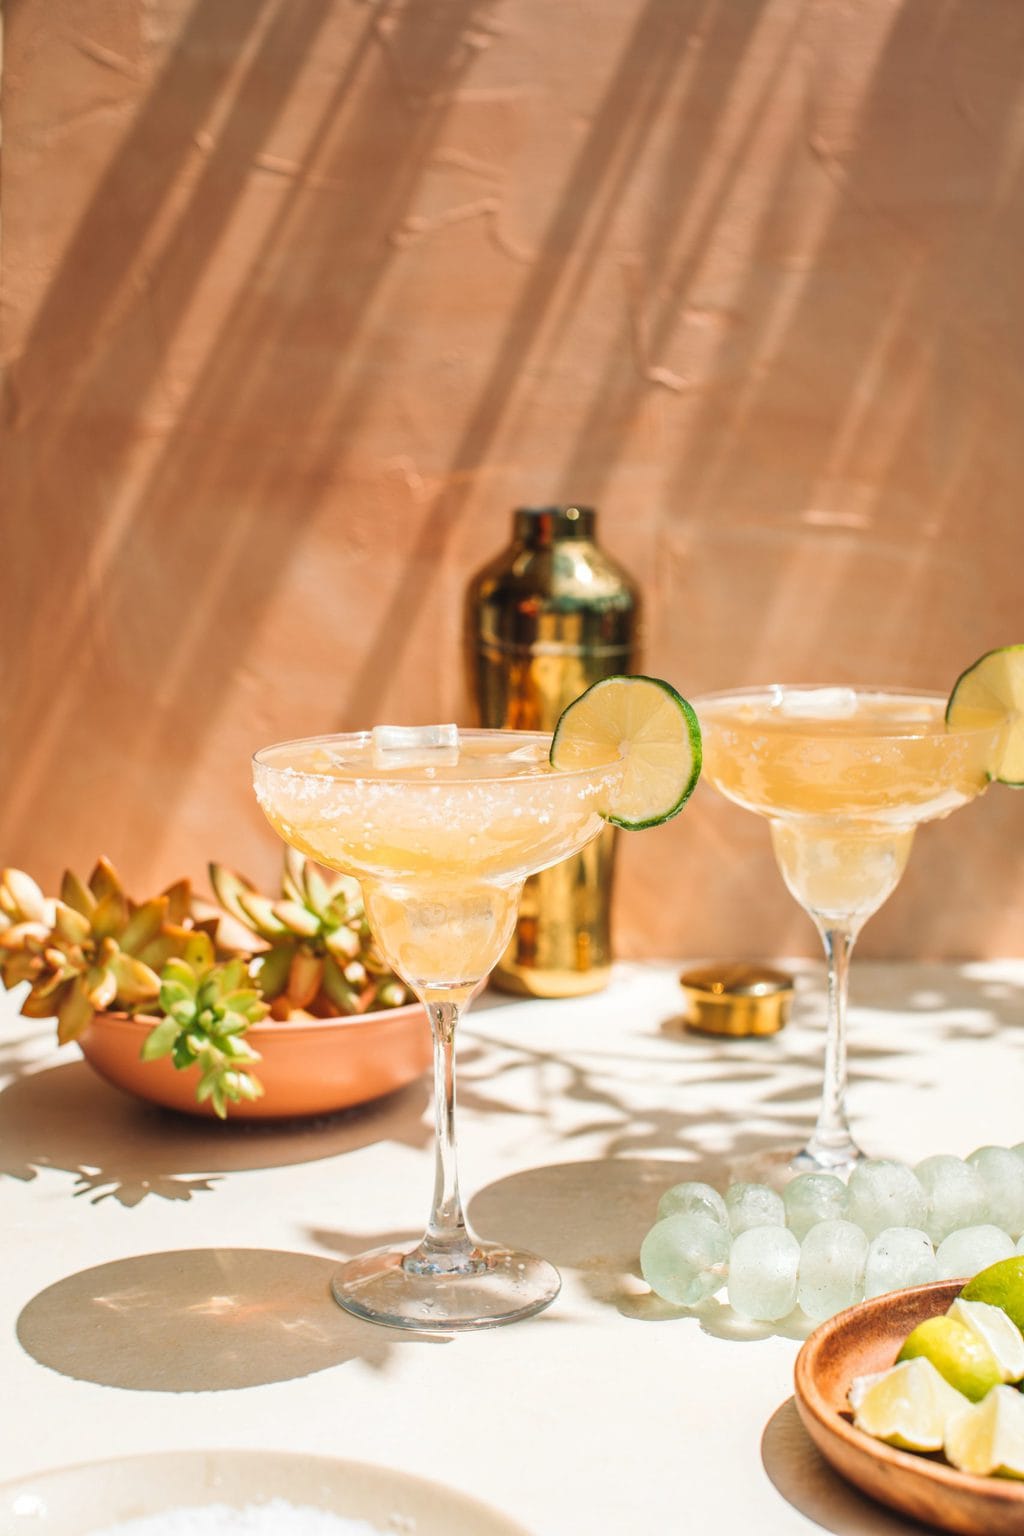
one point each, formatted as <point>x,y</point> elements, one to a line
<point>441,846</point>
<point>844,777</point>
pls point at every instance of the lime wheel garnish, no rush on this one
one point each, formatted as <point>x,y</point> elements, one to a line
<point>644,724</point>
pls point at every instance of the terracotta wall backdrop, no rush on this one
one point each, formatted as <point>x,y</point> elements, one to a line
<point>301,297</point>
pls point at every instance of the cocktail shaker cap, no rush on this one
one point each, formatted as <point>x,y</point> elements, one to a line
<point>543,525</point>
<point>553,592</point>
<point>737,998</point>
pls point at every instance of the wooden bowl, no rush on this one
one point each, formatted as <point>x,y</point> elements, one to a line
<point>310,1067</point>
<point>868,1338</point>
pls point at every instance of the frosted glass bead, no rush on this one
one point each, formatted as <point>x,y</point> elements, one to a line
<point>685,1258</point>
<point>1002,1173</point>
<point>813,1197</point>
<point>695,1199</point>
<point>763,1268</point>
<point>832,1260</point>
<point>964,1253</point>
<point>898,1257</point>
<point>753,1205</point>
<point>956,1195</point>
<point>882,1193</point>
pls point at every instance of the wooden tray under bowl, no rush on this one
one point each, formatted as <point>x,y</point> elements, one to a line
<point>868,1338</point>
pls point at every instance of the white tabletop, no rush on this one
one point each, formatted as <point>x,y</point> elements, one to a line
<point>163,1281</point>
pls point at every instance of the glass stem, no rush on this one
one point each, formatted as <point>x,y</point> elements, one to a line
<point>448,1245</point>
<point>832,1145</point>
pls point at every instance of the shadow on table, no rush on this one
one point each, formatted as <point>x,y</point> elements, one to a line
<point>807,1482</point>
<point>199,1320</point>
<point>586,1216</point>
<point>786,1069</point>
<point>117,1147</point>
<point>590,1217</point>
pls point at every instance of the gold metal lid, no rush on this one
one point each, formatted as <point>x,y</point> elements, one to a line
<point>543,525</point>
<point>736,998</point>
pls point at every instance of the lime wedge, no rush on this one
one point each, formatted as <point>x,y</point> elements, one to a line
<point>908,1406</point>
<point>651,729</point>
<point>957,1353</point>
<point>989,1437</point>
<point>998,1331</point>
<point>994,687</point>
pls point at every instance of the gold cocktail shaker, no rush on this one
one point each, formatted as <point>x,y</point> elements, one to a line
<point>550,615</point>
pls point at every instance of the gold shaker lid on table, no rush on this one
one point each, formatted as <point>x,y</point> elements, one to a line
<point>736,998</point>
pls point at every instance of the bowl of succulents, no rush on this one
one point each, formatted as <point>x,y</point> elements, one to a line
<point>250,1006</point>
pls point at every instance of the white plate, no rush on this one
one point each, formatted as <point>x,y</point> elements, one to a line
<point>79,1500</point>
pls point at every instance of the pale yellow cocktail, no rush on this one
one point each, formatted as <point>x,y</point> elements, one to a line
<point>844,776</point>
<point>441,849</point>
<point>441,827</point>
<point>441,839</point>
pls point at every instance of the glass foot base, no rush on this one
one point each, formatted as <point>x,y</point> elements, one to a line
<point>778,1165</point>
<point>499,1286</point>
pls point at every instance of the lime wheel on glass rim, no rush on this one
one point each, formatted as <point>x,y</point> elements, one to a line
<point>994,686</point>
<point>646,725</point>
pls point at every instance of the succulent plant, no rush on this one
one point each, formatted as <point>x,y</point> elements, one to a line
<point>320,956</point>
<point>207,1006</point>
<point>89,950</point>
<point>93,949</point>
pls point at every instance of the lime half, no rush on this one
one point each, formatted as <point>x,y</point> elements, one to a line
<point>994,686</point>
<point>1001,1285</point>
<point>649,727</point>
<point>957,1353</point>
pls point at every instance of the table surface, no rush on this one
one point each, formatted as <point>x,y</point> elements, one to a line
<point>164,1282</point>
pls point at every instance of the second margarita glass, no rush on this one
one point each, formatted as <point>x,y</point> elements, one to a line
<point>844,777</point>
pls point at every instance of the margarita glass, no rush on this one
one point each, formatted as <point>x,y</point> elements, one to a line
<point>441,838</point>
<point>845,776</point>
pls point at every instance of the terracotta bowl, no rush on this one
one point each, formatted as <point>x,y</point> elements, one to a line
<point>311,1067</point>
<point>868,1338</point>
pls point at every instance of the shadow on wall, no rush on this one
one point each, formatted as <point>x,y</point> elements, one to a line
<point>95,352</point>
<point>698,91</point>
<point>801,463</point>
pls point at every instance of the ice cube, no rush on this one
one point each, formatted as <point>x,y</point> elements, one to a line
<point>971,1250</point>
<point>813,1197</point>
<point>817,703</point>
<point>415,746</point>
<point>692,1198</point>
<point>1002,1173</point>
<point>753,1205</point>
<point>956,1195</point>
<point>832,1260</point>
<point>898,1257</point>
<point>763,1268</point>
<point>882,1193</point>
<point>685,1258</point>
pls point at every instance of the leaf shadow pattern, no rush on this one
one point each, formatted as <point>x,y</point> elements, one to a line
<point>117,1148</point>
<point>591,1216</point>
<point>198,1320</point>
<point>780,1076</point>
